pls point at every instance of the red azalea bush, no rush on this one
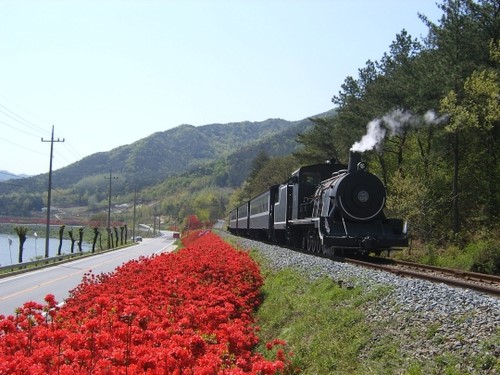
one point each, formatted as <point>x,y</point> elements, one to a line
<point>188,312</point>
<point>193,236</point>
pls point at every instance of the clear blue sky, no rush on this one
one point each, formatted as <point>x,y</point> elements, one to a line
<point>107,73</point>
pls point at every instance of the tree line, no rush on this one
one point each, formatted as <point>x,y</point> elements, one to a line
<point>426,117</point>
<point>116,237</point>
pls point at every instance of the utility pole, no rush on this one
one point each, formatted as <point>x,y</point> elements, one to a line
<point>154,221</point>
<point>133,227</point>
<point>109,208</point>
<point>47,229</point>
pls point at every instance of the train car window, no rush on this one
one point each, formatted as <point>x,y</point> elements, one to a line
<point>259,205</point>
<point>311,178</point>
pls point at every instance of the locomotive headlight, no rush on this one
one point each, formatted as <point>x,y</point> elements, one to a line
<point>363,196</point>
<point>362,166</point>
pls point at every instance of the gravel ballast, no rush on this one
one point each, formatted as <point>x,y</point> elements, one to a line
<point>429,321</point>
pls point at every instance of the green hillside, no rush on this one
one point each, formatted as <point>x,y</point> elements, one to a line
<point>222,153</point>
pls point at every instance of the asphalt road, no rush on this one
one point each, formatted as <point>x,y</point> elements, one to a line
<point>60,279</point>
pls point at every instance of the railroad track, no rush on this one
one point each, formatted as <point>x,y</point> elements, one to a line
<point>489,284</point>
<point>484,283</point>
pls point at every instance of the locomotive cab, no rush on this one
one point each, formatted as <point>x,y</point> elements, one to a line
<point>305,181</point>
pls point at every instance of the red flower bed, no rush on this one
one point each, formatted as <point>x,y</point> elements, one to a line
<point>193,236</point>
<point>188,312</point>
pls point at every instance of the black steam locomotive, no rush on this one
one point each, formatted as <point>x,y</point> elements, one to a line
<point>323,208</point>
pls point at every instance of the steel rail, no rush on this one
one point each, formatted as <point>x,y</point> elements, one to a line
<point>458,282</point>
<point>481,277</point>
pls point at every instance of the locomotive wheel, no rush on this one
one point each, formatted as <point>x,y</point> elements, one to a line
<point>319,247</point>
<point>310,242</point>
<point>314,244</point>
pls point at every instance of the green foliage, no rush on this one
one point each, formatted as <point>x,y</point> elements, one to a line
<point>274,171</point>
<point>411,200</point>
<point>21,232</point>
<point>486,257</point>
<point>20,204</point>
<point>320,321</point>
<point>442,172</point>
<point>326,140</point>
<point>270,171</point>
<point>480,256</point>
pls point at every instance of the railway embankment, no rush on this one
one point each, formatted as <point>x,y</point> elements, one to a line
<point>378,322</point>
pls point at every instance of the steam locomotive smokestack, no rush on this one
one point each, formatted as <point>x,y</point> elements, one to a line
<point>354,159</point>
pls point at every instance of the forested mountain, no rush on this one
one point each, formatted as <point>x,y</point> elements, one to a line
<point>183,150</point>
<point>167,153</point>
<point>5,175</point>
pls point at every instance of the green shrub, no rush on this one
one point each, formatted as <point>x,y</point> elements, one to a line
<point>485,257</point>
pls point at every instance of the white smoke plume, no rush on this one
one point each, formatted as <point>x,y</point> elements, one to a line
<point>431,118</point>
<point>375,134</point>
<point>399,120</point>
<point>395,122</point>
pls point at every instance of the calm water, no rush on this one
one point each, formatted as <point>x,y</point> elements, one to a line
<point>33,248</point>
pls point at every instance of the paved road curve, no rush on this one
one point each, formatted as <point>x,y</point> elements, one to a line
<point>60,279</point>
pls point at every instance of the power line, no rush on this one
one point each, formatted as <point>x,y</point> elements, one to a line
<point>73,150</point>
<point>21,124</point>
<point>61,156</point>
<point>19,130</point>
<point>17,145</point>
<point>33,127</point>
<point>14,116</point>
